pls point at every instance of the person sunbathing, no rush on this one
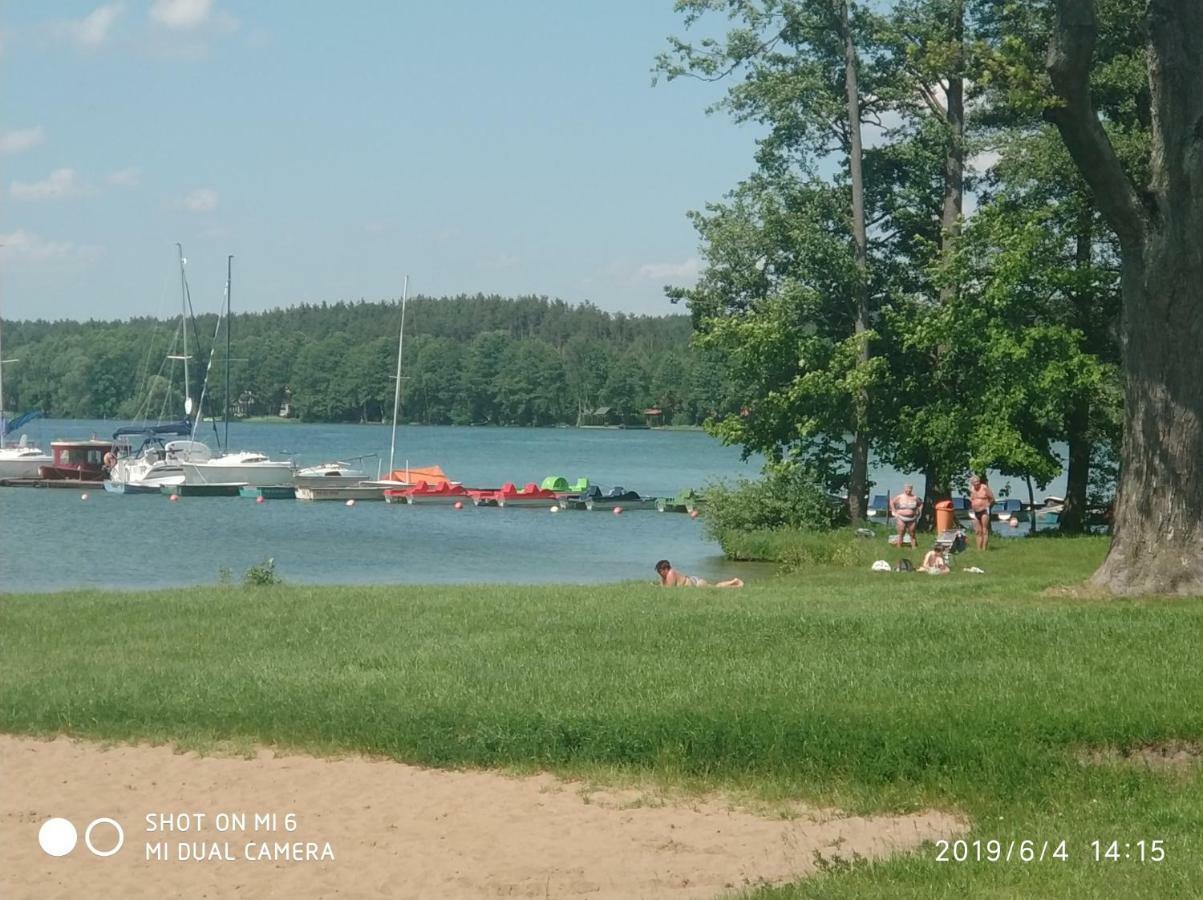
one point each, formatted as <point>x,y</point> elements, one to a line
<point>934,563</point>
<point>670,577</point>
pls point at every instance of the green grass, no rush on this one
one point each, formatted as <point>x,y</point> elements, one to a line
<point>832,685</point>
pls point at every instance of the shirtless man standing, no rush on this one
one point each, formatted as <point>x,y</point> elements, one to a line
<point>981,498</point>
<point>905,509</point>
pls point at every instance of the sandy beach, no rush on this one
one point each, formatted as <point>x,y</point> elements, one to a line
<point>393,831</point>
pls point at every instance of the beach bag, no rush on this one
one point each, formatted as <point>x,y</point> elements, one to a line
<point>904,565</point>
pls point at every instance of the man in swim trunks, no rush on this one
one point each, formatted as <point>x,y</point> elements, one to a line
<point>981,498</point>
<point>905,509</point>
<point>670,577</point>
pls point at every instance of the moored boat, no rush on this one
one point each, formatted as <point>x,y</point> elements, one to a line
<point>22,460</point>
<point>595,500</point>
<point>362,491</point>
<point>330,475</point>
<point>446,493</point>
<point>156,462</point>
<point>243,467</point>
<point>688,501</point>
<point>76,461</point>
<point>531,495</point>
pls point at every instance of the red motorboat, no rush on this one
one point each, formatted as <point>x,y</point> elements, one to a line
<point>77,461</point>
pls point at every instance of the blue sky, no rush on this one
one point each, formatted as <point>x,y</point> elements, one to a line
<point>510,147</point>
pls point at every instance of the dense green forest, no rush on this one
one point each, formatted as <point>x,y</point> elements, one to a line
<point>467,360</point>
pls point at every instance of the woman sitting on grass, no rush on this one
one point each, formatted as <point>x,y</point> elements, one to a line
<point>934,563</point>
<point>670,577</point>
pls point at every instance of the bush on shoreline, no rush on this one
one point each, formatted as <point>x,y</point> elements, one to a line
<point>788,496</point>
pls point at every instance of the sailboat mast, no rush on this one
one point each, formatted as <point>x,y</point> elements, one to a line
<point>184,322</point>
<point>229,319</point>
<point>392,450</point>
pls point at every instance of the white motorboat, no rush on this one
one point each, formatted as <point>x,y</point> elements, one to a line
<point>22,460</point>
<point>330,475</point>
<point>157,464</point>
<point>243,467</point>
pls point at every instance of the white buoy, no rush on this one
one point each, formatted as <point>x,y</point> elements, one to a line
<point>618,510</point>
<point>259,499</point>
<point>174,497</point>
<point>459,504</point>
<point>555,509</point>
<point>350,503</point>
<point>83,496</point>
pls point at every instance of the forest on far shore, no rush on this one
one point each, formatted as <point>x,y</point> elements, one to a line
<point>467,360</point>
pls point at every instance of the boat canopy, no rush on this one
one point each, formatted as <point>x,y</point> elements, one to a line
<point>19,422</point>
<point>430,474</point>
<point>183,427</point>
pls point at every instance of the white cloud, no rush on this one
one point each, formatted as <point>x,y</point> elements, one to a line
<point>30,247</point>
<point>686,270</point>
<point>181,15</point>
<point>128,177</point>
<point>202,200</point>
<point>93,29</point>
<point>59,183</point>
<point>20,140</point>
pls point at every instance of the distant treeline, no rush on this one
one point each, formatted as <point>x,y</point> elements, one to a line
<point>467,360</point>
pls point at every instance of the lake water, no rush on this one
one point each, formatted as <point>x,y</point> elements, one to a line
<point>51,540</point>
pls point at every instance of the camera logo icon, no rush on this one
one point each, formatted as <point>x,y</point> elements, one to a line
<point>58,837</point>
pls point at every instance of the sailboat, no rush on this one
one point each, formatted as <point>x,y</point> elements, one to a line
<point>158,462</point>
<point>310,487</point>
<point>23,459</point>
<point>243,466</point>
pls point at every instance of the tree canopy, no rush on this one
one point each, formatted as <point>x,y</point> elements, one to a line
<point>467,360</point>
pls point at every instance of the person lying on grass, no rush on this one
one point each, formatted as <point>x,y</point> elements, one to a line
<point>934,563</point>
<point>670,577</point>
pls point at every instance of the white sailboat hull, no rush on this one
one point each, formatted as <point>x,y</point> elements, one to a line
<point>259,474</point>
<point>15,465</point>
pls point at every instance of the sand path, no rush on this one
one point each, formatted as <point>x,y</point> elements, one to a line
<point>395,831</point>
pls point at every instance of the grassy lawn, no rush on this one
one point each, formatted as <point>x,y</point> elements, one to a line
<point>830,684</point>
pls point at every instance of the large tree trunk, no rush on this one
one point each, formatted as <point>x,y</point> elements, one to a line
<point>1157,546</point>
<point>858,476</point>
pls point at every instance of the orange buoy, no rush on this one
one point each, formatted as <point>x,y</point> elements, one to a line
<point>175,497</point>
<point>259,499</point>
<point>618,510</point>
<point>459,504</point>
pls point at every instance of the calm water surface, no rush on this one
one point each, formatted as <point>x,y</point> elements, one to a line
<point>51,540</point>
